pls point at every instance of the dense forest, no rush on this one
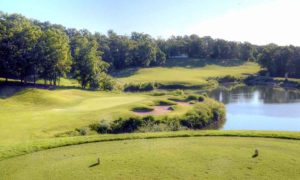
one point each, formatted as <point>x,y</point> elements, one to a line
<point>32,50</point>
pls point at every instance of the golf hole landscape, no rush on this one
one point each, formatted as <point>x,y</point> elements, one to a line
<point>78,104</point>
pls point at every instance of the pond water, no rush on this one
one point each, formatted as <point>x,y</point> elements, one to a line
<point>260,108</point>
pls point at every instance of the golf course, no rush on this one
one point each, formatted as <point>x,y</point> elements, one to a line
<point>168,158</point>
<point>79,103</point>
<point>33,121</point>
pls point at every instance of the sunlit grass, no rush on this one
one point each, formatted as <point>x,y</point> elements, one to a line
<point>188,75</point>
<point>166,158</point>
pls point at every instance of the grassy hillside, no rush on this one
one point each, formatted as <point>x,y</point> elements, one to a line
<point>186,72</point>
<point>36,113</point>
<point>167,158</point>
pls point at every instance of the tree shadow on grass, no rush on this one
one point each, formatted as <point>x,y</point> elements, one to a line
<point>10,88</point>
<point>124,73</point>
<point>182,62</point>
<point>196,63</point>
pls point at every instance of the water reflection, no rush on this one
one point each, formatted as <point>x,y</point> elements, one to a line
<point>260,108</point>
<point>255,95</point>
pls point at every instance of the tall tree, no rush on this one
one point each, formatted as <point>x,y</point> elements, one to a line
<point>88,65</point>
<point>54,55</point>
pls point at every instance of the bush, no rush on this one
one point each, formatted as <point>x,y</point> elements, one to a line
<point>133,87</point>
<point>102,82</point>
<point>195,120</point>
<point>228,78</point>
<point>126,125</point>
<point>174,124</point>
<point>194,97</point>
<point>107,83</point>
<point>102,128</point>
<point>81,131</point>
<point>200,98</point>
<point>201,116</point>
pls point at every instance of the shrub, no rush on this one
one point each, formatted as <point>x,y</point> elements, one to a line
<point>149,120</point>
<point>107,83</point>
<point>81,131</point>
<point>192,97</point>
<point>201,98</point>
<point>228,78</point>
<point>147,86</point>
<point>126,125</point>
<point>139,87</point>
<point>102,82</point>
<point>103,127</point>
<point>174,124</point>
<point>131,87</point>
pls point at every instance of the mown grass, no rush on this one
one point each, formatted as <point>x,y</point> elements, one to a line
<point>36,113</point>
<point>163,158</point>
<point>29,146</point>
<point>185,75</point>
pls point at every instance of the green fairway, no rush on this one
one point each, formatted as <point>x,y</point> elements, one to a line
<point>176,73</point>
<point>35,113</point>
<point>175,158</point>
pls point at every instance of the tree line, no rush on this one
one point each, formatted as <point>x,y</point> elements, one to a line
<point>281,61</point>
<point>32,50</point>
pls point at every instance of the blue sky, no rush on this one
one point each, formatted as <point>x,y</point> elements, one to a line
<point>168,17</point>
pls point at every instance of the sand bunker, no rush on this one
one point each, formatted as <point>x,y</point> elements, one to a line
<point>183,103</point>
<point>157,110</point>
<point>160,110</point>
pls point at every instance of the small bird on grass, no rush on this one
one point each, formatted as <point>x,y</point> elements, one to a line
<point>255,153</point>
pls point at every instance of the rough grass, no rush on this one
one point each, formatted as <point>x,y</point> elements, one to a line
<point>185,75</point>
<point>164,158</point>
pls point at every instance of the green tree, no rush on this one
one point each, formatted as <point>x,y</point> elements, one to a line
<point>54,55</point>
<point>88,65</point>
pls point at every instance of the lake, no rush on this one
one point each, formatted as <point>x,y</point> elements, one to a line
<point>260,108</point>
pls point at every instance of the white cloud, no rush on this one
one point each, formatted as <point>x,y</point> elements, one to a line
<point>271,22</point>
